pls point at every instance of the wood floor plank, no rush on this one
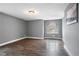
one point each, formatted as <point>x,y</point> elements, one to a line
<point>34,47</point>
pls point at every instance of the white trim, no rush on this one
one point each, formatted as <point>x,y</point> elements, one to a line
<point>67,50</point>
<point>53,37</point>
<point>5,43</point>
<point>36,37</point>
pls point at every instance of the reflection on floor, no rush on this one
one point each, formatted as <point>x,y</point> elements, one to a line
<point>34,47</point>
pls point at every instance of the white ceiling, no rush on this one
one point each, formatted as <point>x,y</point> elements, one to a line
<point>47,11</point>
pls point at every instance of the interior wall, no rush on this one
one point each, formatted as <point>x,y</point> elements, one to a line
<point>11,28</point>
<point>36,28</point>
<point>71,35</point>
<point>58,23</point>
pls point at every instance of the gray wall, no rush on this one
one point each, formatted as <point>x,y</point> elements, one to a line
<point>59,27</point>
<point>36,28</point>
<point>11,28</point>
<point>71,35</point>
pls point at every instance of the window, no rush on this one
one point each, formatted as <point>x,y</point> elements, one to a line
<point>52,28</point>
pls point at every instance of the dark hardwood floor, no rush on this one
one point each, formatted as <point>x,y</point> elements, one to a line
<point>34,47</point>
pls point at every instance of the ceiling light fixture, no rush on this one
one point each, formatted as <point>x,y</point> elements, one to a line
<point>31,12</point>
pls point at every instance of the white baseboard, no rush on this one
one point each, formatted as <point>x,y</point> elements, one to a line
<point>5,43</point>
<point>67,50</point>
<point>36,37</point>
<point>53,37</point>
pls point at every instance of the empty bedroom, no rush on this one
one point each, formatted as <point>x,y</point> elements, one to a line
<point>38,29</point>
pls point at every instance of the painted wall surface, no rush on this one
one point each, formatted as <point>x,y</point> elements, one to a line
<point>59,28</point>
<point>36,28</point>
<point>71,35</point>
<point>11,28</point>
